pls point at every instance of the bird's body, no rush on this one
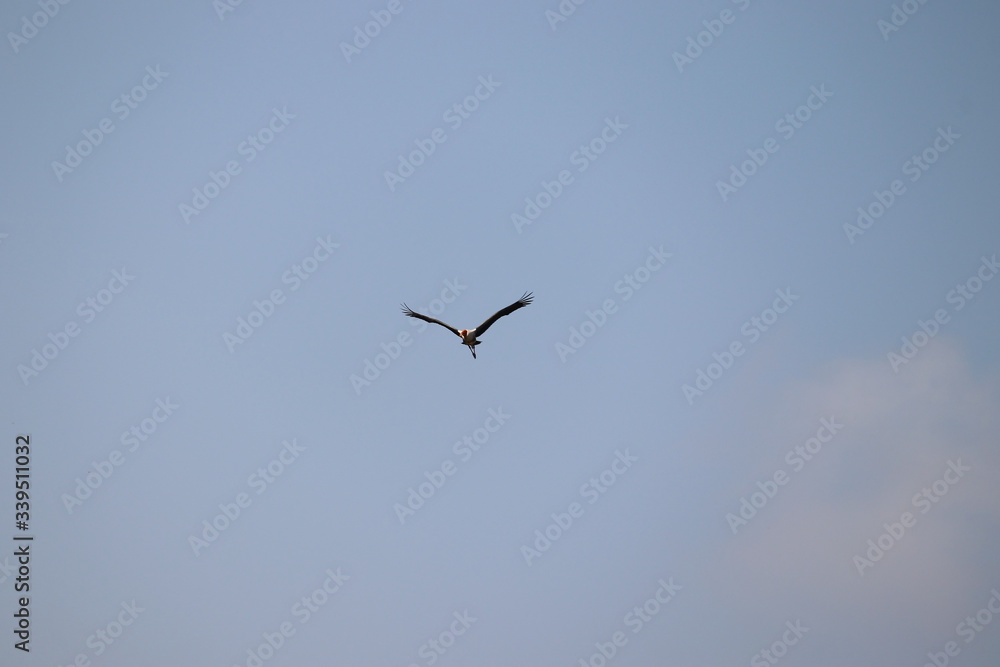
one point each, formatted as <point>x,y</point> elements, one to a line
<point>470,337</point>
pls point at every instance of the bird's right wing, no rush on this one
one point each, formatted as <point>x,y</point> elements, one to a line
<point>413,313</point>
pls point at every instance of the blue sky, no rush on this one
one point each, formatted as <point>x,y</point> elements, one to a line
<point>736,426</point>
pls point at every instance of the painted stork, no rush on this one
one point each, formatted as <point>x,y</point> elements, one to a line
<point>470,336</point>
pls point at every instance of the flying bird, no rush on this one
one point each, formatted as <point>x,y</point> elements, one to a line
<point>470,336</point>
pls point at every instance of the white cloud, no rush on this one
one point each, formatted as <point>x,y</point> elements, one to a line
<point>900,431</point>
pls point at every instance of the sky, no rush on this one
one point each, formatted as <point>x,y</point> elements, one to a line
<point>750,417</point>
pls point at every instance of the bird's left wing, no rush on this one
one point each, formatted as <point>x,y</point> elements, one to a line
<point>520,303</point>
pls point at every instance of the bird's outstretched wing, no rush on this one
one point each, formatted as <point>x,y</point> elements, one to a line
<point>413,313</point>
<point>520,303</point>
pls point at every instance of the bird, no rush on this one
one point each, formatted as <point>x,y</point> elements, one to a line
<point>470,337</point>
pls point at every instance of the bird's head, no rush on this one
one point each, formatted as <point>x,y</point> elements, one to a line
<point>464,332</point>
